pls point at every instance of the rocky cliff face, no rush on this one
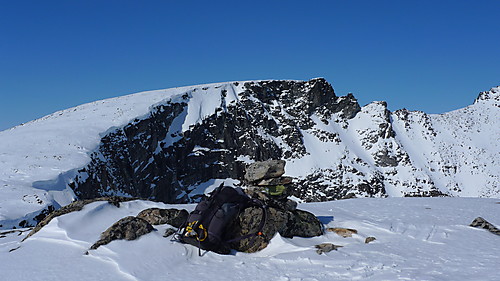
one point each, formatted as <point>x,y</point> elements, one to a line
<point>154,158</point>
<point>171,145</point>
<point>333,147</point>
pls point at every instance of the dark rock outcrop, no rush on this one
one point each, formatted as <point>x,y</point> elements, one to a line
<point>279,219</point>
<point>479,222</point>
<point>326,247</point>
<point>370,239</point>
<point>128,228</point>
<point>153,158</point>
<point>166,156</point>
<point>156,216</point>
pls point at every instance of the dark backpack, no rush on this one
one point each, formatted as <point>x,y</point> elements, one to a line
<point>207,226</point>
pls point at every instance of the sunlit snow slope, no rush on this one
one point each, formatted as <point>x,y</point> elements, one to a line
<point>36,157</point>
<point>416,239</point>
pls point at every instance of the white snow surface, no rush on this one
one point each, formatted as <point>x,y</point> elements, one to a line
<point>416,239</point>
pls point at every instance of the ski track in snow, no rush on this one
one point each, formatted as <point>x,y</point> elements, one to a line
<point>417,239</point>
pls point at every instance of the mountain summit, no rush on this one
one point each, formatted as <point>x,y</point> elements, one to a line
<point>170,145</point>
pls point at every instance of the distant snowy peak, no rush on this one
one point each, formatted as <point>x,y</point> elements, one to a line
<point>491,95</point>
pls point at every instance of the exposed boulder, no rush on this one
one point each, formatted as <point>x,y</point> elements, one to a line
<point>326,247</point>
<point>279,219</point>
<point>128,228</point>
<point>156,216</point>
<point>265,170</point>
<point>370,239</point>
<point>131,228</point>
<point>302,224</point>
<point>482,223</point>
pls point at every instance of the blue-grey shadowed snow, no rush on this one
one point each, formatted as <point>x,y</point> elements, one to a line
<point>325,219</point>
<point>58,184</point>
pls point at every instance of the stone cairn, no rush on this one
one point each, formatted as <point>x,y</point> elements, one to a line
<point>267,177</point>
<point>265,181</point>
<point>267,173</point>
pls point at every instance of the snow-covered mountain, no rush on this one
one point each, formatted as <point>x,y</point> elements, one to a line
<point>169,145</point>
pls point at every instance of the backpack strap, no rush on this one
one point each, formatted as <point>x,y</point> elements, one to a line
<point>184,228</point>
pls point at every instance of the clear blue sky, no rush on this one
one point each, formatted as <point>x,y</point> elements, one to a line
<point>434,56</point>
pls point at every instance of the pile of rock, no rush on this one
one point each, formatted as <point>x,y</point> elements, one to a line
<point>265,181</point>
<point>288,223</point>
<point>267,176</point>
<point>262,180</point>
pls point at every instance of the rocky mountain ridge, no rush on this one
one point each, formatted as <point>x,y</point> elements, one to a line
<point>184,140</point>
<point>299,122</point>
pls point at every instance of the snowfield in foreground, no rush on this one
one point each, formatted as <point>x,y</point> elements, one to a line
<point>416,239</point>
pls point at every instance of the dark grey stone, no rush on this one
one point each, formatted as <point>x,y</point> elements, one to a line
<point>278,220</point>
<point>156,216</point>
<point>482,223</point>
<point>263,170</point>
<point>326,247</point>
<point>370,239</point>
<point>128,228</point>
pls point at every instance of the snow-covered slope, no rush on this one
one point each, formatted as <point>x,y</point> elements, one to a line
<point>458,150</point>
<point>169,144</point>
<point>410,153</point>
<point>37,158</point>
<point>416,239</point>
